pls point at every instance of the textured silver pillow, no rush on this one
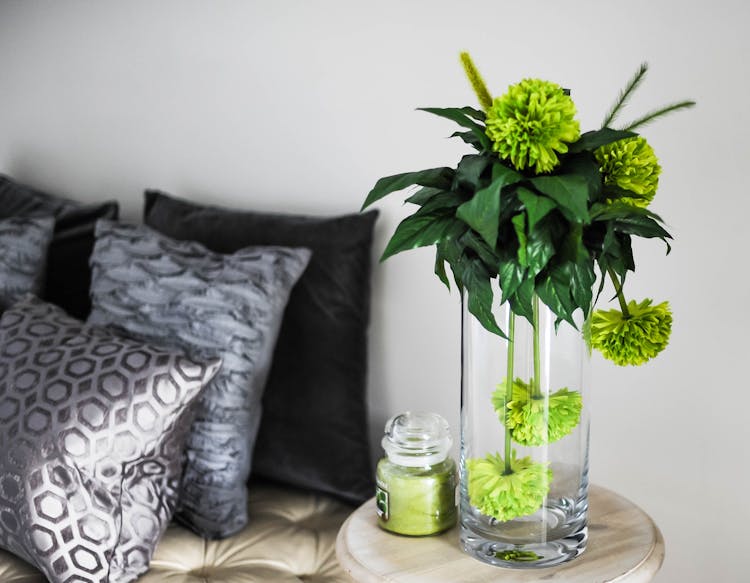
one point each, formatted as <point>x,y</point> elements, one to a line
<point>180,294</point>
<point>23,254</point>
<point>91,427</point>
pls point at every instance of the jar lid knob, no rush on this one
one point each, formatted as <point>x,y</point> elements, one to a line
<point>417,439</point>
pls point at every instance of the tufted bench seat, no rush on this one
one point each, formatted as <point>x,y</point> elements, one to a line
<point>291,537</point>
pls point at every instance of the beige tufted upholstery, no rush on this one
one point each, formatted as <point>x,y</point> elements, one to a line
<point>291,537</point>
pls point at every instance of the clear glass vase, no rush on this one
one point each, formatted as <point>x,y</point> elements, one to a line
<point>524,440</point>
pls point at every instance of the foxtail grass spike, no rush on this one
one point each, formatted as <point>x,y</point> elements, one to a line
<point>477,83</point>
<point>652,115</point>
<point>625,94</point>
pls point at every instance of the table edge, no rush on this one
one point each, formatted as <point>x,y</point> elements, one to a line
<point>643,572</point>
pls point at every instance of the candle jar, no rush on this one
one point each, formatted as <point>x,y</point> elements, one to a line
<point>416,481</point>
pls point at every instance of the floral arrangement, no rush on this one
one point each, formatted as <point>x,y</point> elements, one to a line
<point>538,208</point>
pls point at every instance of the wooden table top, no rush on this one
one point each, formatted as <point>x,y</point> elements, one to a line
<point>624,546</point>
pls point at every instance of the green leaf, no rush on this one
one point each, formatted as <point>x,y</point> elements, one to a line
<point>631,220</point>
<point>464,119</point>
<point>582,278</point>
<point>469,138</point>
<point>434,177</point>
<point>576,263</point>
<point>597,138</point>
<point>477,283</point>
<point>521,300</point>
<point>440,267</point>
<point>641,227</point>
<point>602,280</point>
<point>490,260</point>
<point>508,175</point>
<point>536,206</point>
<point>612,192</point>
<point>539,248</point>
<point>511,275</point>
<point>616,210</point>
<point>423,195</point>
<point>554,291</point>
<point>468,172</point>
<point>452,250</point>
<point>418,230</point>
<point>472,112</point>
<point>482,212</point>
<point>444,203</point>
<point>617,251</point>
<point>623,220</point>
<point>569,191</point>
<point>571,247</point>
<point>519,224</point>
<point>584,164</point>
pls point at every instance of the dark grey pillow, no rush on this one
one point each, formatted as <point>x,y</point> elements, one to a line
<point>23,255</point>
<point>319,370</point>
<point>67,272</point>
<point>91,427</point>
<point>180,294</point>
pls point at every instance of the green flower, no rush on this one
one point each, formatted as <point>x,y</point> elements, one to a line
<point>635,338</point>
<point>531,123</point>
<point>632,165</point>
<point>530,421</point>
<point>507,496</point>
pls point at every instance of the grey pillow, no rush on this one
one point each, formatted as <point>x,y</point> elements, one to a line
<point>68,275</point>
<point>320,362</point>
<point>91,427</point>
<point>23,254</point>
<point>180,294</point>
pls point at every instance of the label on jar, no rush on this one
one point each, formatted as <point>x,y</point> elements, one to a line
<point>381,501</point>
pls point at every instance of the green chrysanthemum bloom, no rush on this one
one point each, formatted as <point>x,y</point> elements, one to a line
<point>507,496</point>
<point>635,339</point>
<point>531,124</point>
<point>527,419</point>
<point>632,165</point>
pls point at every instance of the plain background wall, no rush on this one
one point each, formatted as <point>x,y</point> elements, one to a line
<point>299,106</point>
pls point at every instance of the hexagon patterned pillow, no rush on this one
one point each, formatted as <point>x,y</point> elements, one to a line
<point>91,430</point>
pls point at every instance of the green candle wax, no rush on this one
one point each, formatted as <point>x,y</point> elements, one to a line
<point>416,501</point>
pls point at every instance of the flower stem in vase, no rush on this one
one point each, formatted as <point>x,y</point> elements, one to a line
<point>535,383</point>
<point>509,390</point>
<point>620,295</point>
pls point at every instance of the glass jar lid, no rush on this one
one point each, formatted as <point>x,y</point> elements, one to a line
<point>417,439</point>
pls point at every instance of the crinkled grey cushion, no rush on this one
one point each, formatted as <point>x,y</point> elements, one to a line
<point>91,427</point>
<point>181,294</point>
<point>23,256</point>
<point>320,363</point>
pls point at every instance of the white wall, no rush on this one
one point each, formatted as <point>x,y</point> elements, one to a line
<point>300,106</point>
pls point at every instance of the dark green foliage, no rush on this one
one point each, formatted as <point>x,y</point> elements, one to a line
<point>482,211</point>
<point>590,141</point>
<point>539,235</point>
<point>464,116</point>
<point>434,177</point>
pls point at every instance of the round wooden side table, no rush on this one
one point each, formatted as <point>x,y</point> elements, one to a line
<point>624,546</point>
